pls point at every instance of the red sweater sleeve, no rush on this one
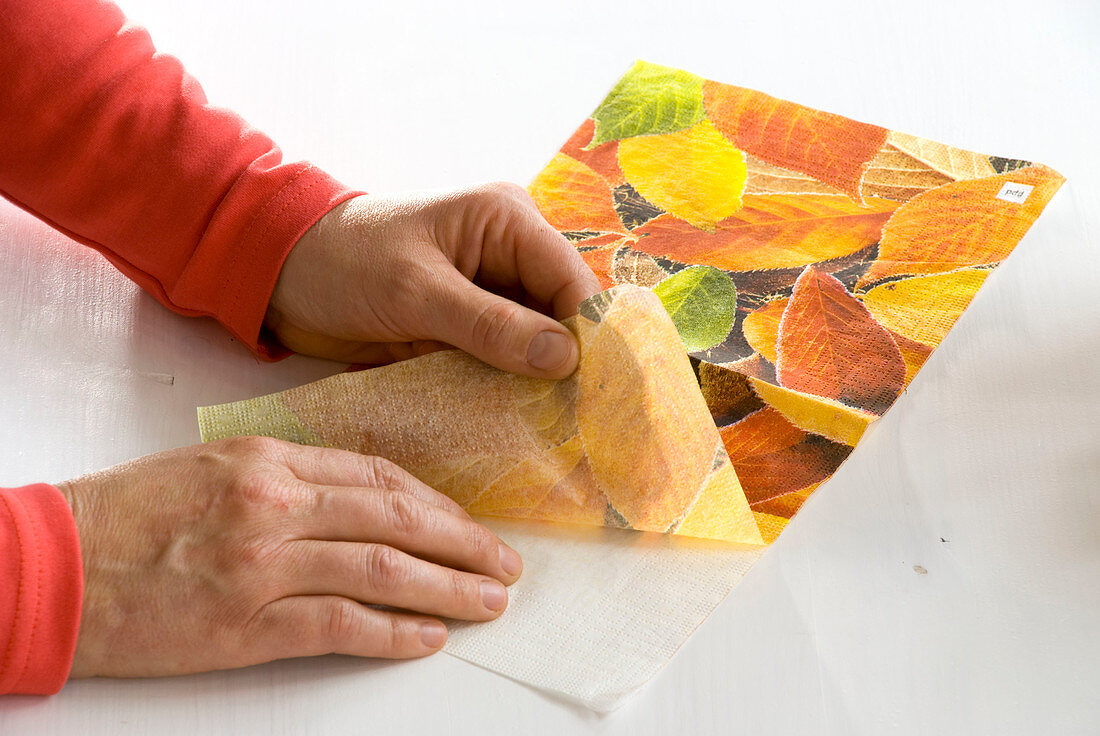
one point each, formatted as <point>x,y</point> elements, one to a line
<point>116,146</point>
<point>41,587</point>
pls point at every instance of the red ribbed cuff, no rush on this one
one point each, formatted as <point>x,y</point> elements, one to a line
<point>233,271</point>
<point>41,589</point>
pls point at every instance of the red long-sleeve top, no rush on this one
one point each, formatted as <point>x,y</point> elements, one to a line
<point>115,145</point>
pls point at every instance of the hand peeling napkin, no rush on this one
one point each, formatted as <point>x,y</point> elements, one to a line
<point>850,250</point>
<point>626,441</point>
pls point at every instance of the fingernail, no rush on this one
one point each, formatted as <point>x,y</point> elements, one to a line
<point>510,561</point>
<point>493,595</point>
<point>433,634</point>
<point>548,350</point>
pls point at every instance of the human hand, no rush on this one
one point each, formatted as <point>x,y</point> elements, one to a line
<point>383,278</point>
<point>251,549</point>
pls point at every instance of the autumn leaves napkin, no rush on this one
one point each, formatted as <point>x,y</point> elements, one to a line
<point>808,263</point>
<point>853,250</point>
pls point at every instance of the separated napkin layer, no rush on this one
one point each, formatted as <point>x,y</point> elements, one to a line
<point>853,250</point>
<point>626,441</point>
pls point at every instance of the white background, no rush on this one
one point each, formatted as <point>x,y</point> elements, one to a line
<point>985,473</point>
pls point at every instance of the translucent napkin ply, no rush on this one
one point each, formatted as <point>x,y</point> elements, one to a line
<point>626,441</point>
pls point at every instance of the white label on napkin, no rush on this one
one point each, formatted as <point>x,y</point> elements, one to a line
<point>1013,192</point>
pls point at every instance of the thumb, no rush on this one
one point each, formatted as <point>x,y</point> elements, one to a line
<point>503,333</point>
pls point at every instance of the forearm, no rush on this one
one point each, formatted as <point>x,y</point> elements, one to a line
<point>116,146</point>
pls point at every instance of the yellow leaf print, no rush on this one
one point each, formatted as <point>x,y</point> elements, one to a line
<point>826,417</point>
<point>694,174</point>
<point>924,308</point>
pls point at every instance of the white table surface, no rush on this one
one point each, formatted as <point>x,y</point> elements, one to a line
<point>985,474</point>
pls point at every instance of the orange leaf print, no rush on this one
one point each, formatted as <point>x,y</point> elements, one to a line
<point>602,159</point>
<point>774,458</point>
<point>600,240</point>
<point>768,476</point>
<point>573,197</point>
<point>599,260</point>
<point>830,345</point>
<point>761,327</point>
<point>763,431</point>
<point>961,224</point>
<point>828,147</point>
<point>771,231</point>
<point>598,252</point>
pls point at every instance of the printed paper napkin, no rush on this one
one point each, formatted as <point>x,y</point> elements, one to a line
<point>626,441</point>
<point>853,249</point>
<point>810,264</point>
